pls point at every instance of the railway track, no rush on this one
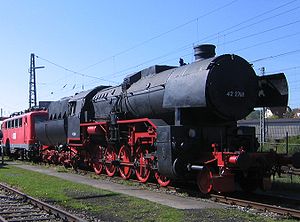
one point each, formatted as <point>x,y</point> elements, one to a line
<point>16,206</point>
<point>290,212</point>
<point>290,171</point>
<point>275,204</point>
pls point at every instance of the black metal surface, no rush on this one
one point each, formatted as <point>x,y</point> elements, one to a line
<point>82,110</point>
<point>105,101</point>
<point>169,139</point>
<point>186,86</point>
<point>132,78</point>
<point>231,87</point>
<point>296,160</point>
<point>144,98</point>
<point>204,51</point>
<point>224,87</point>
<point>273,90</point>
<point>58,109</point>
<point>52,132</point>
<point>211,93</point>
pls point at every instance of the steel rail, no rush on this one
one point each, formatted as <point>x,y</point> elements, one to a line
<point>2,219</point>
<point>294,172</point>
<point>229,200</point>
<point>235,201</point>
<point>65,216</point>
<point>256,205</point>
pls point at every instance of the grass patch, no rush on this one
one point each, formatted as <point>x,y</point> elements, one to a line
<point>106,205</point>
<point>109,205</point>
<point>287,183</point>
<point>280,145</point>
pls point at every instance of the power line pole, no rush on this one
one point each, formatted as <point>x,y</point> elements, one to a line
<point>262,120</point>
<point>32,82</point>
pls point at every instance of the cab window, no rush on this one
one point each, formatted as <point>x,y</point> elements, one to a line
<point>16,123</point>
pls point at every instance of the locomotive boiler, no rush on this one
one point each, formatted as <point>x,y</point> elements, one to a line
<point>222,88</point>
<point>172,122</point>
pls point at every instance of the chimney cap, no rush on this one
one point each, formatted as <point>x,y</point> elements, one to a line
<point>204,51</point>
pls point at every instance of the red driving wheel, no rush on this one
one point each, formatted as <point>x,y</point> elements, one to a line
<point>162,180</point>
<point>110,156</point>
<point>124,157</point>
<point>97,160</point>
<point>142,169</point>
<point>204,180</point>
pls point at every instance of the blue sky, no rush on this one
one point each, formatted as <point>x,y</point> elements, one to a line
<point>103,41</point>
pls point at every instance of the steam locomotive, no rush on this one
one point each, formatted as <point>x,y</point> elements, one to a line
<point>173,123</point>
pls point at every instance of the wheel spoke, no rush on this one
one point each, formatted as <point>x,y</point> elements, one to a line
<point>204,180</point>
<point>110,156</point>
<point>97,160</point>
<point>162,180</point>
<point>142,171</point>
<point>124,157</point>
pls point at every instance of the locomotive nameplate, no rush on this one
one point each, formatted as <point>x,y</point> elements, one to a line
<point>237,94</point>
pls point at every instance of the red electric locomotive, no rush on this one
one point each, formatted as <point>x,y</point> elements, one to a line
<point>18,131</point>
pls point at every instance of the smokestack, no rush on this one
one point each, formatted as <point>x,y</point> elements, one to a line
<point>204,51</point>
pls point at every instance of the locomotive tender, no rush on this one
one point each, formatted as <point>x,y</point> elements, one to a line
<point>171,122</point>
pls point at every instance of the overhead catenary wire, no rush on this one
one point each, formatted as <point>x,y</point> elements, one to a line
<point>188,45</point>
<point>248,20</point>
<point>197,20</point>
<point>166,54</point>
<point>283,69</point>
<point>261,32</point>
<point>276,56</point>
<point>177,27</point>
<point>72,71</point>
<point>241,38</point>
<point>263,20</point>
<point>266,42</point>
<point>159,35</point>
<point>254,61</point>
<point>121,72</point>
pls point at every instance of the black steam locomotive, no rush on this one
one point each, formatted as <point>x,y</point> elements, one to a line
<point>171,122</point>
